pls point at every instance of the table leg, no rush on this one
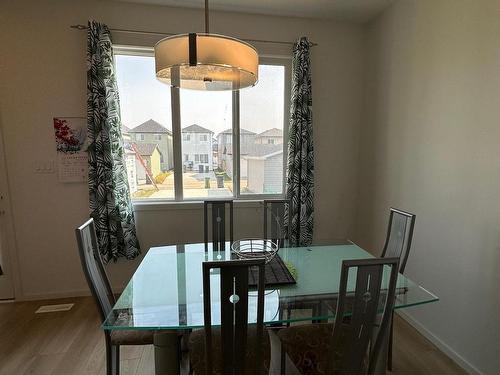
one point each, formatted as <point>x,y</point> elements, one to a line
<point>167,358</point>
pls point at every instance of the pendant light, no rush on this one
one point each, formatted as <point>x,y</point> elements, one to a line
<point>204,61</point>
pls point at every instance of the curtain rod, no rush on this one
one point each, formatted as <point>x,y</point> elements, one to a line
<point>127,31</point>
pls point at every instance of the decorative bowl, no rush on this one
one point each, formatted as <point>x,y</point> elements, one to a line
<point>252,248</point>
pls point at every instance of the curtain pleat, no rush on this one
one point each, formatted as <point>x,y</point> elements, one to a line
<point>300,168</point>
<point>110,204</point>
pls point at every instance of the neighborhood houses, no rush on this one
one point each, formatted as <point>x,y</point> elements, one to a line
<point>207,161</point>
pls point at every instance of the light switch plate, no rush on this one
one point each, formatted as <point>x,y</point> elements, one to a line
<point>44,167</point>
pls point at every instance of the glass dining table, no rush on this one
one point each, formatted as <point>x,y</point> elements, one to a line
<point>166,291</point>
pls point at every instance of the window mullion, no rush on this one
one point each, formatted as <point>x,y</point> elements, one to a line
<point>177,142</point>
<point>236,144</point>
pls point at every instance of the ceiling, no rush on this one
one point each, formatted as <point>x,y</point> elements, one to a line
<point>354,10</point>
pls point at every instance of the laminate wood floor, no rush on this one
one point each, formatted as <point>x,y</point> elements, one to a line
<point>72,343</point>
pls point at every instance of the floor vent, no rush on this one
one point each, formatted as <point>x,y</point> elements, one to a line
<point>54,308</point>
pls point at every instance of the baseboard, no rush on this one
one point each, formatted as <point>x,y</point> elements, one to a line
<point>57,295</point>
<point>441,345</point>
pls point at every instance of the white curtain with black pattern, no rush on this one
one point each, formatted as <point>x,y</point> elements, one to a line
<point>300,168</point>
<point>109,195</point>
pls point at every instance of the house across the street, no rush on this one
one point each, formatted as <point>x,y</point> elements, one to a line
<point>151,132</point>
<point>272,136</point>
<point>225,147</point>
<point>262,165</point>
<point>151,156</point>
<point>197,148</point>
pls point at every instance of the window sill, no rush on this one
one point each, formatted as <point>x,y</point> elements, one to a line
<point>158,205</point>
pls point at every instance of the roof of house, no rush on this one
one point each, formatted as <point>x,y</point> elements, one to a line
<point>196,129</point>
<point>150,126</point>
<point>125,129</point>
<point>260,150</point>
<point>146,149</point>
<point>264,151</point>
<point>274,132</point>
<point>242,131</point>
<point>263,157</point>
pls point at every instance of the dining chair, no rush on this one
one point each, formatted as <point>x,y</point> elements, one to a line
<point>236,347</point>
<point>341,348</point>
<point>217,219</point>
<point>398,244</point>
<point>275,221</point>
<point>101,291</point>
<point>399,236</point>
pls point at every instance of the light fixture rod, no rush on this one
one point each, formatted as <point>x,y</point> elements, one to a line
<point>207,30</point>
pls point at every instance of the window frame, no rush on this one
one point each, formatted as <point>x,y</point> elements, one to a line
<point>177,136</point>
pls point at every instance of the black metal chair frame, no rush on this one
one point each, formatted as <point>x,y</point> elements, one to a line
<point>103,294</point>
<point>278,208</point>
<point>234,315</point>
<point>218,208</point>
<point>83,233</point>
<point>362,318</point>
<point>404,253</point>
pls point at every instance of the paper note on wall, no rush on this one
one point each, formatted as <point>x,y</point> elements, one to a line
<point>71,142</point>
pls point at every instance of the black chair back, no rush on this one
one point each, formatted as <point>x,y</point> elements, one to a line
<point>399,236</point>
<point>218,223</point>
<point>276,226</point>
<point>355,334</point>
<point>234,314</point>
<point>93,268</point>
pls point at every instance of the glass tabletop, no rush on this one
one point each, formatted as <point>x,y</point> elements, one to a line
<point>166,291</point>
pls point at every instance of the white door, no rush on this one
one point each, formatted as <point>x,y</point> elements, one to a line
<point>6,286</point>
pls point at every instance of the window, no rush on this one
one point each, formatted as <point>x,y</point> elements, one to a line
<point>204,114</point>
<point>262,158</point>
<point>201,158</point>
<point>145,106</point>
<point>212,163</point>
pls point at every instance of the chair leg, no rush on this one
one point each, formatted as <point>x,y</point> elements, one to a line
<point>389,351</point>
<point>112,358</point>
<point>283,360</point>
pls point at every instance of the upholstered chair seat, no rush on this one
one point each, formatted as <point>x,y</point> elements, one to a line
<point>197,352</point>
<point>309,347</point>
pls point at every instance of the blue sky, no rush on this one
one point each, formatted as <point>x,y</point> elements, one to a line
<point>143,97</point>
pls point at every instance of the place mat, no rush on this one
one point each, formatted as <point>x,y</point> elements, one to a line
<point>276,274</point>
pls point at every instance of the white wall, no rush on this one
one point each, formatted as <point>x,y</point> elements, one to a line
<point>430,145</point>
<point>43,74</point>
